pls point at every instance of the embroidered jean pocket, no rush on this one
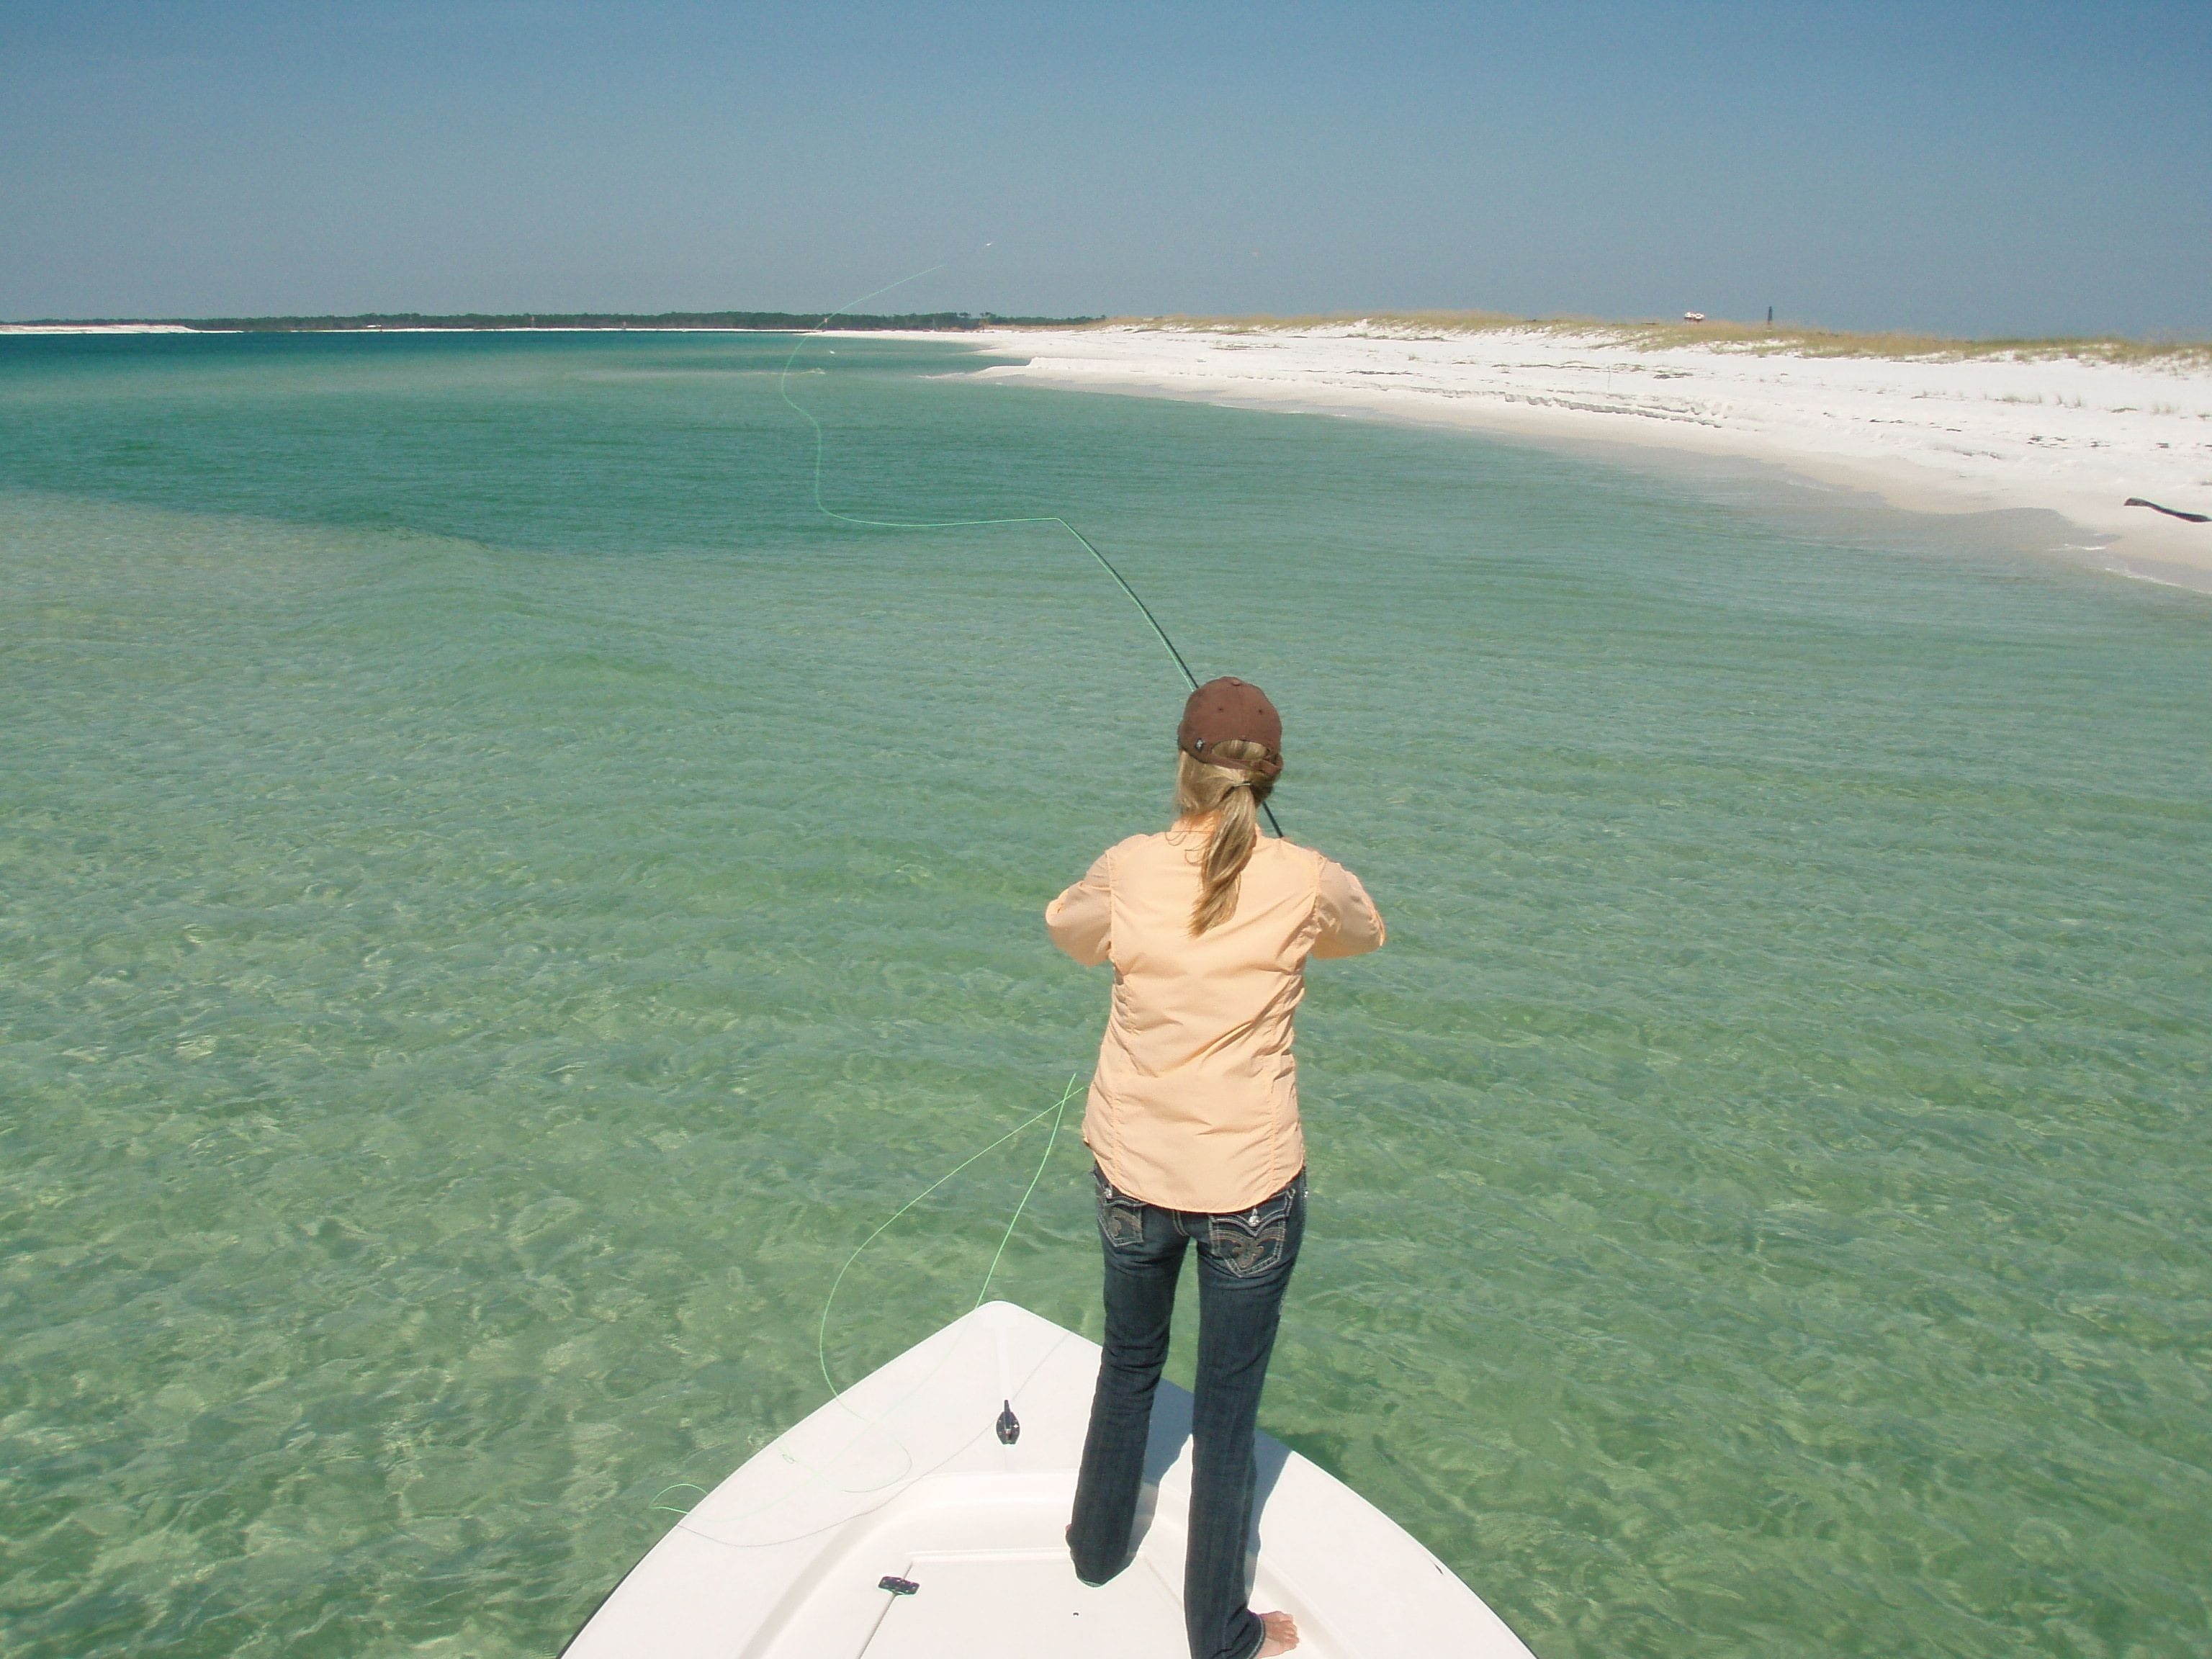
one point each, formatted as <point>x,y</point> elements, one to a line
<point>1250,1241</point>
<point>1121,1217</point>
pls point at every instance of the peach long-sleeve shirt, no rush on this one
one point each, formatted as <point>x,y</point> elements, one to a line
<point>1194,1105</point>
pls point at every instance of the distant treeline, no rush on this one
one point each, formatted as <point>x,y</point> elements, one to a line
<point>781,321</point>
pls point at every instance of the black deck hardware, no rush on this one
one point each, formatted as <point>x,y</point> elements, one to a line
<point>896,1585</point>
<point>1010,1426</point>
<point>2170,511</point>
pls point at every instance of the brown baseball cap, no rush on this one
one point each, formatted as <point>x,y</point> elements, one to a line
<point>1223,709</point>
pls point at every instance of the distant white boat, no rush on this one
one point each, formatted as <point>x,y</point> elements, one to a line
<point>919,1516</point>
<point>1693,316</point>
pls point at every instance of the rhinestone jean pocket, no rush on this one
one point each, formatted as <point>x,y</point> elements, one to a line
<point>1251,1240</point>
<point>1120,1218</point>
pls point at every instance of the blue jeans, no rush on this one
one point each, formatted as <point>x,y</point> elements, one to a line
<point>1244,1262</point>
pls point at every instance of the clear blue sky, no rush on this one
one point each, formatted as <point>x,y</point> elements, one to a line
<point>1979,169</point>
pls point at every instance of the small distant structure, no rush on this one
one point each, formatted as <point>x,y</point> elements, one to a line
<point>1693,316</point>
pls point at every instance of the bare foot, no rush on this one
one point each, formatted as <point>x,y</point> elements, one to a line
<point>1282,1634</point>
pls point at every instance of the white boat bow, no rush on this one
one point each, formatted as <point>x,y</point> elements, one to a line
<point>907,1479</point>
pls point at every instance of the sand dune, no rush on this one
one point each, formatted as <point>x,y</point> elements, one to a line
<point>1941,432</point>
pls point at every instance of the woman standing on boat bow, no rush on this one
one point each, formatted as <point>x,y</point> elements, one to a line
<point>1192,1118</point>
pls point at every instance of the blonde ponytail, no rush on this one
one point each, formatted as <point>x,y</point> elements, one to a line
<point>1229,792</point>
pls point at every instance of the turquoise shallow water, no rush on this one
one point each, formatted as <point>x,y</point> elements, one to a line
<point>500,899</point>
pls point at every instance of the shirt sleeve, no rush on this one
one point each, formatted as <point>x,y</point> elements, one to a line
<point>1350,926</point>
<point>1081,918</point>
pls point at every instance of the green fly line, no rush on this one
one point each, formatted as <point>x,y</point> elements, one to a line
<point>1055,1113</point>
<point>821,440</point>
<point>1058,1111</point>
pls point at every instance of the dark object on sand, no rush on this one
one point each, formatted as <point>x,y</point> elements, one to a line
<point>2170,511</point>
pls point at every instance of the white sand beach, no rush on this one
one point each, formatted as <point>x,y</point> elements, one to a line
<point>1941,432</point>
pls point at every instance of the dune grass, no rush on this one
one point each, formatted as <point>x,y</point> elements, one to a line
<point>1653,335</point>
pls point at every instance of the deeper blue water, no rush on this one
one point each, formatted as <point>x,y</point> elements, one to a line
<point>497,897</point>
